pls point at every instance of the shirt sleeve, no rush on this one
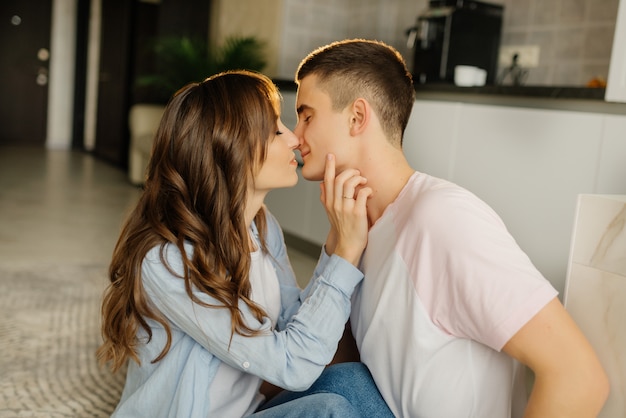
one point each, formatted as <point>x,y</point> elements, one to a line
<point>322,262</point>
<point>290,293</point>
<point>474,279</point>
<point>291,358</point>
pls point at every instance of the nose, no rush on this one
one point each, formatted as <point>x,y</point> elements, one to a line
<point>293,140</point>
<point>297,131</point>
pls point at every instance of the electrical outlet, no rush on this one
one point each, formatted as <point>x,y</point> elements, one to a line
<point>527,55</point>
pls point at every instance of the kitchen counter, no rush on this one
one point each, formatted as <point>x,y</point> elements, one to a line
<point>549,92</point>
<point>542,97</point>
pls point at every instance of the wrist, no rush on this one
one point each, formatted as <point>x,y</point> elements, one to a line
<point>351,255</point>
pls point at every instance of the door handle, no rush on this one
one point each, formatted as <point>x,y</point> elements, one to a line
<point>42,76</point>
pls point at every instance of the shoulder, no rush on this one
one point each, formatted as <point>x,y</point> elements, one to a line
<point>430,202</point>
<point>273,233</point>
<point>164,260</point>
<point>272,222</point>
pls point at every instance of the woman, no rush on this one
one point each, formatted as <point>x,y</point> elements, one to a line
<point>202,296</point>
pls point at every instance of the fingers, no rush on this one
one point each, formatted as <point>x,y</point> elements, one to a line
<point>329,178</point>
<point>339,189</point>
<point>347,183</point>
<point>345,196</point>
<point>362,195</point>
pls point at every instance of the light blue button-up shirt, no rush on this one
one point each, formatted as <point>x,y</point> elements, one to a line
<point>310,324</point>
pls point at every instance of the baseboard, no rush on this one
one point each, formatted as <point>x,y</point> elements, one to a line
<point>303,245</point>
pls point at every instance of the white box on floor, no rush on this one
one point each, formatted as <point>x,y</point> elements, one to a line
<point>595,288</point>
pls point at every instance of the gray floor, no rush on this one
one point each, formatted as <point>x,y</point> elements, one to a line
<point>60,215</point>
<point>67,207</point>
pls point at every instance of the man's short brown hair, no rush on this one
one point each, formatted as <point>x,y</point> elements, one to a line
<point>375,71</point>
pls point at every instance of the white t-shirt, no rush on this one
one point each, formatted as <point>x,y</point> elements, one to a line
<point>446,286</point>
<point>235,393</point>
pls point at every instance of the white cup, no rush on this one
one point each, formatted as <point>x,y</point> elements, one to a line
<point>481,77</point>
<point>469,76</point>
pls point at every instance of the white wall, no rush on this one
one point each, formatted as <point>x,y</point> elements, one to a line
<point>93,72</point>
<point>61,85</point>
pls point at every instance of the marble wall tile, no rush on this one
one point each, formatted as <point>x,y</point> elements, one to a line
<point>572,11</point>
<point>598,42</point>
<point>567,73</point>
<point>595,289</point>
<point>602,10</point>
<point>545,12</point>
<point>569,44</point>
<point>577,31</point>
<point>540,75</point>
<point>583,33</point>
<point>546,40</point>
<point>518,13</point>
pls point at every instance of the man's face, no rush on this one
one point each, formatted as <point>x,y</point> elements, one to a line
<point>321,129</point>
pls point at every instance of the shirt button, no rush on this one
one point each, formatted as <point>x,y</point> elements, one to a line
<point>246,364</point>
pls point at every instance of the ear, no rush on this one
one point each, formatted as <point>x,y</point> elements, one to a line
<point>360,115</point>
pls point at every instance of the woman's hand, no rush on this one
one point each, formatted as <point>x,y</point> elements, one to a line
<point>345,198</point>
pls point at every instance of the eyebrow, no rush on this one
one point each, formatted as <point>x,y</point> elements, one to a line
<point>302,108</point>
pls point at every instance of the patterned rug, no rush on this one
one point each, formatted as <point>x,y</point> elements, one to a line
<point>49,331</point>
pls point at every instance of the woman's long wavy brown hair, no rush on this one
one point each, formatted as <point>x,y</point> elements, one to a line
<point>212,137</point>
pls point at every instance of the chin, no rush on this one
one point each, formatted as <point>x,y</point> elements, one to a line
<point>312,175</point>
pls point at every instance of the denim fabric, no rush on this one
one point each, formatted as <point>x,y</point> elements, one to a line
<point>316,405</point>
<point>351,381</point>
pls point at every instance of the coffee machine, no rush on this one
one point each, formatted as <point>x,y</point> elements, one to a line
<point>455,32</point>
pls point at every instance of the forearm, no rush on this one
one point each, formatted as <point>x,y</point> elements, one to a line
<point>569,379</point>
<point>568,396</point>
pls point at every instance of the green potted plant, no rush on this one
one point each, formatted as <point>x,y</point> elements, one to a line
<point>178,61</point>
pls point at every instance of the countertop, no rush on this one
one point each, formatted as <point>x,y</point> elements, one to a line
<point>548,97</point>
<point>554,92</point>
<point>548,92</point>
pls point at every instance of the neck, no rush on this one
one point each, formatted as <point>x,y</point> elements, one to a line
<point>387,175</point>
<point>253,205</point>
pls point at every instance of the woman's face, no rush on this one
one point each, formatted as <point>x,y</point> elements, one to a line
<point>279,168</point>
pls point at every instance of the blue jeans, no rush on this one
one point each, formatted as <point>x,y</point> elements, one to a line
<point>343,390</point>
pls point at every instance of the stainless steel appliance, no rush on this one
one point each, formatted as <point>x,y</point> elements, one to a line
<point>455,32</point>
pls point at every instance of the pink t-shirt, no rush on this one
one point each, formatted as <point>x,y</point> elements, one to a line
<point>446,286</point>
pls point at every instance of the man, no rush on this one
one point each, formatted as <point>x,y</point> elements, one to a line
<point>450,307</point>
